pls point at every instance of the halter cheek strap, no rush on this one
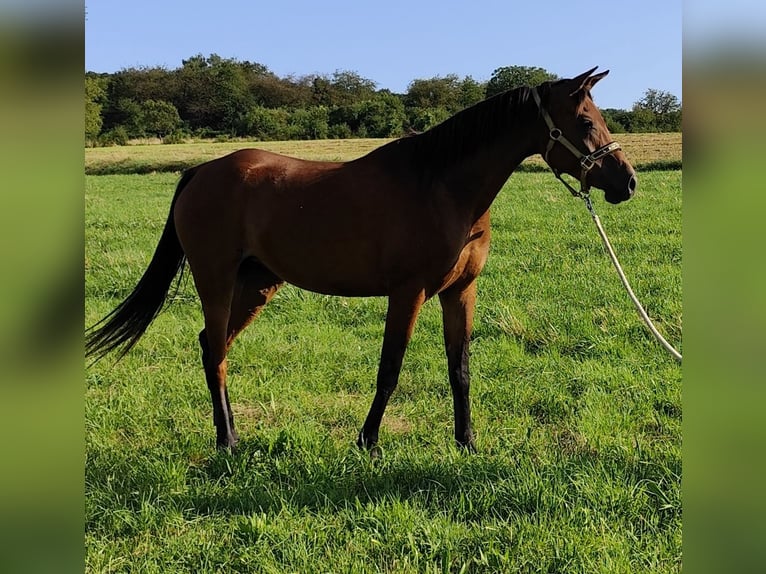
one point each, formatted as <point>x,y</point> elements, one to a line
<point>586,161</point>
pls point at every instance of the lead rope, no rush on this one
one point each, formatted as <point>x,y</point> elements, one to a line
<point>586,163</point>
<point>636,302</point>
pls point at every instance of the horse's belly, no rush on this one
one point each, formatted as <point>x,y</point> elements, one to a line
<point>350,248</point>
<point>330,267</point>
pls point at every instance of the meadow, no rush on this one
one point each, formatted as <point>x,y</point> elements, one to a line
<point>577,410</point>
<point>650,151</point>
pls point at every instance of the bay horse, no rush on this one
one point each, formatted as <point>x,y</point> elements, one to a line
<point>408,221</point>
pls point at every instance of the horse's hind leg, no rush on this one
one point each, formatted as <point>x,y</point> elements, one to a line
<point>254,287</point>
<point>216,307</point>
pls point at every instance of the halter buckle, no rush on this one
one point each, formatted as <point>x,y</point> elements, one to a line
<point>587,162</point>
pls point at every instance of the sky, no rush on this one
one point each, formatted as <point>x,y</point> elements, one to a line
<point>712,22</point>
<point>396,41</point>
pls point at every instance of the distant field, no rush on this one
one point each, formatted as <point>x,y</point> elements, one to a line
<point>577,409</point>
<point>643,150</point>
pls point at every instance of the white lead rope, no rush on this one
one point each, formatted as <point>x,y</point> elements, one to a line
<point>636,302</point>
<point>586,163</point>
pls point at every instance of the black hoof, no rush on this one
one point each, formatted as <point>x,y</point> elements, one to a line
<point>366,442</point>
<point>371,445</point>
<point>467,446</point>
<point>229,443</point>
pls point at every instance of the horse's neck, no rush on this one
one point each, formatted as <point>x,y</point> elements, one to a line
<point>478,178</point>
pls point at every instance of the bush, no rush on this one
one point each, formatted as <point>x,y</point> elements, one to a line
<point>340,132</point>
<point>309,123</point>
<point>118,135</point>
<point>422,119</point>
<point>159,118</point>
<point>204,133</point>
<point>177,137</point>
<point>264,123</point>
<point>382,118</point>
<point>613,125</point>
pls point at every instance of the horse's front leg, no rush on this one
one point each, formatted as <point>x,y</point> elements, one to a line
<point>403,310</point>
<point>458,304</point>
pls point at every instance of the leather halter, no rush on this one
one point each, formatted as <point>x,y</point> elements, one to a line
<point>586,161</point>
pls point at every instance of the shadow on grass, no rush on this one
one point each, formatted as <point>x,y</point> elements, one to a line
<point>283,474</point>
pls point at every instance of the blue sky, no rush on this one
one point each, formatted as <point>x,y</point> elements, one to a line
<point>396,41</point>
<point>711,22</point>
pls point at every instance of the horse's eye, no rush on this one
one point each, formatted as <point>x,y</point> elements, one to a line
<point>587,124</point>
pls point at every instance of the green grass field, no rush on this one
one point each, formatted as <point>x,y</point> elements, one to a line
<point>577,410</point>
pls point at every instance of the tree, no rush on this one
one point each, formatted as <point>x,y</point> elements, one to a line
<point>382,116</point>
<point>264,123</point>
<point>643,120</point>
<point>470,92</point>
<point>657,111</point>
<point>349,87</point>
<point>270,91</point>
<point>510,77</point>
<point>213,93</point>
<point>308,123</point>
<point>662,108</point>
<point>95,97</point>
<point>159,118</point>
<point>321,91</point>
<point>127,114</point>
<point>134,85</point>
<point>437,92</point>
<point>658,101</point>
<point>616,120</point>
<point>430,101</point>
<point>422,119</point>
<point>344,88</point>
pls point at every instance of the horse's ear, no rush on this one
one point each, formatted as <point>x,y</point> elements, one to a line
<point>585,82</point>
<point>584,76</point>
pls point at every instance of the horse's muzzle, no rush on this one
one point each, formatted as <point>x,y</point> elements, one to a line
<point>618,196</point>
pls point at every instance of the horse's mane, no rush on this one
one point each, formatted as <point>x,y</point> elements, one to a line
<point>464,133</point>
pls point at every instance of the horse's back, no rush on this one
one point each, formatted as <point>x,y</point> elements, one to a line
<point>245,185</point>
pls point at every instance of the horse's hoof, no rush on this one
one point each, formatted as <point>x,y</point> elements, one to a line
<point>229,444</point>
<point>468,447</point>
<point>366,443</point>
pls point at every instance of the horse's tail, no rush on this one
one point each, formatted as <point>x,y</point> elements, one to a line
<point>124,326</point>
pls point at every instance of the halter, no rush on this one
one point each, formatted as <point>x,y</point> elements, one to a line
<point>586,161</point>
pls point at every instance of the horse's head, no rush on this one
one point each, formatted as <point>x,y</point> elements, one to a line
<point>576,140</point>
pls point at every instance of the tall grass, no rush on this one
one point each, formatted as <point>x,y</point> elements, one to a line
<point>577,410</point>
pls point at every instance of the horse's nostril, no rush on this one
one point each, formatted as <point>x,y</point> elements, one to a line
<point>632,183</point>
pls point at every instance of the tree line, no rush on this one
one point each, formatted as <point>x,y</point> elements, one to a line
<point>215,97</point>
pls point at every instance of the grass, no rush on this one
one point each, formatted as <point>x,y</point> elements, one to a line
<point>646,151</point>
<point>577,410</point>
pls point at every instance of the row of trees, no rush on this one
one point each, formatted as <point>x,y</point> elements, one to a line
<point>213,96</point>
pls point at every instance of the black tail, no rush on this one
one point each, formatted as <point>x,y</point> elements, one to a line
<point>123,327</point>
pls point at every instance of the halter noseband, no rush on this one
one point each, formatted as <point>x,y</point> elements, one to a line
<point>586,161</point>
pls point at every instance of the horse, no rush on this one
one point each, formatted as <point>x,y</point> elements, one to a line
<point>409,221</point>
